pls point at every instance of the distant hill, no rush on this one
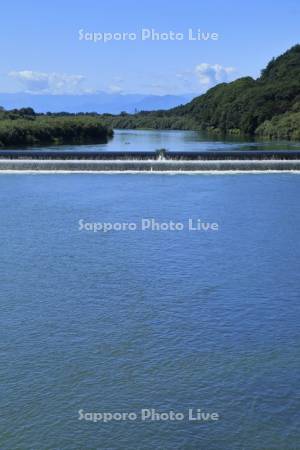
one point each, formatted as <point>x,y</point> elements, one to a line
<point>100,103</point>
<point>268,106</point>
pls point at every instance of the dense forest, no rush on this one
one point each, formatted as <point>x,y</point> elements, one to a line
<point>268,106</point>
<point>24,127</point>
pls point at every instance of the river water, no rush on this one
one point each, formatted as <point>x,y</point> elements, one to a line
<point>121,321</point>
<point>150,140</point>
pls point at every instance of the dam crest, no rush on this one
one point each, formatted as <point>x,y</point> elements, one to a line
<point>155,161</point>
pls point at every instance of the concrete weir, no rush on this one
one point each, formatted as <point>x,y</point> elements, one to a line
<point>159,161</point>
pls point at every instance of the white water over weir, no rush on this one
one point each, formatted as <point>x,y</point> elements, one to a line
<point>159,161</point>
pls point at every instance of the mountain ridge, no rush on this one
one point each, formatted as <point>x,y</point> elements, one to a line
<point>100,103</point>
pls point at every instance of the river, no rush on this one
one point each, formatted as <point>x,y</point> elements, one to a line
<point>125,320</point>
<point>150,140</point>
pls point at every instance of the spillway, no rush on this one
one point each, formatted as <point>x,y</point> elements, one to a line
<point>157,161</point>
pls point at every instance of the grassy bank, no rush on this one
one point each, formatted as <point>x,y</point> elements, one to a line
<point>30,129</point>
<point>286,126</point>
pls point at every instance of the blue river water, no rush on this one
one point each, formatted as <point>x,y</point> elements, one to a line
<point>170,320</point>
<point>174,140</point>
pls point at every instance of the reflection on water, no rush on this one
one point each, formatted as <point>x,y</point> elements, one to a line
<point>148,140</point>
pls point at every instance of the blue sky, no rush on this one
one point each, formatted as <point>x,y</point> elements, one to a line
<point>41,51</point>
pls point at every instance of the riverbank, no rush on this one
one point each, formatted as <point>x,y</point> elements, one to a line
<point>25,128</point>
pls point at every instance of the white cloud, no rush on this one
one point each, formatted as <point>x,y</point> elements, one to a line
<point>203,77</point>
<point>114,89</point>
<point>211,74</point>
<point>49,83</point>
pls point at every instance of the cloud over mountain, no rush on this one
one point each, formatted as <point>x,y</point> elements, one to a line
<point>210,74</point>
<point>48,83</point>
